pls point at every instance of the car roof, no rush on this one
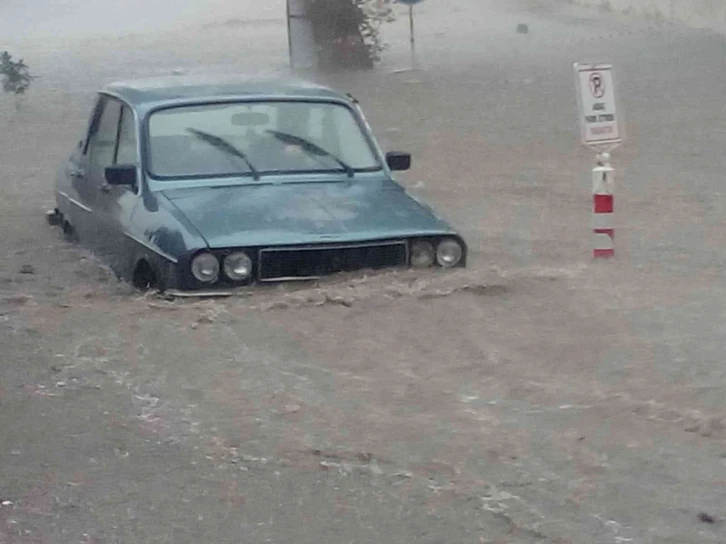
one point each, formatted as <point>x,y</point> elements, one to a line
<point>175,89</point>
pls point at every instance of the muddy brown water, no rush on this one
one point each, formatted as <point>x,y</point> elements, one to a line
<point>536,396</point>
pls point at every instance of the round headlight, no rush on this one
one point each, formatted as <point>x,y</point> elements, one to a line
<point>205,268</point>
<point>449,253</point>
<point>422,254</point>
<point>238,266</point>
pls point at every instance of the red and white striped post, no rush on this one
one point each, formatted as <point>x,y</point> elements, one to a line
<point>603,206</point>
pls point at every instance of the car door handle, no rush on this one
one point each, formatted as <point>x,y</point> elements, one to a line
<point>76,173</point>
<point>105,189</point>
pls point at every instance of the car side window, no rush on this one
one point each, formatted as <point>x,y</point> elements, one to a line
<point>127,152</point>
<point>102,142</point>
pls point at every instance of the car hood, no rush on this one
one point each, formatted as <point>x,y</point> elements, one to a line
<point>302,213</point>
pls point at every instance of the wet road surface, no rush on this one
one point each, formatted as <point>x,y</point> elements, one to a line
<point>535,397</point>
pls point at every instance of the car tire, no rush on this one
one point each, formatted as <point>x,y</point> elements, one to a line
<point>144,277</point>
<point>69,233</point>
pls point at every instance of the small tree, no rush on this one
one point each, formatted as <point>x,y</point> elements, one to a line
<point>347,32</point>
<point>15,74</point>
<point>376,13</point>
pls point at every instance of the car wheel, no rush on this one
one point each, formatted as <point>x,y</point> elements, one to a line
<point>69,233</point>
<point>144,277</point>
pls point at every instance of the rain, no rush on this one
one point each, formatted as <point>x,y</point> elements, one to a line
<point>541,393</point>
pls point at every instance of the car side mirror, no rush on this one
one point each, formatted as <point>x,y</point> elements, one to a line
<point>121,174</point>
<point>398,161</point>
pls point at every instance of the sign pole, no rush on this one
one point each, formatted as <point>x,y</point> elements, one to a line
<point>601,131</point>
<point>414,63</point>
<point>289,34</point>
<point>412,31</point>
<point>603,207</point>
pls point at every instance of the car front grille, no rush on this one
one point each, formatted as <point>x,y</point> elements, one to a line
<point>317,260</point>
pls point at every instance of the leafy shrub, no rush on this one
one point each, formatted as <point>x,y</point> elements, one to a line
<point>347,32</point>
<point>15,74</point>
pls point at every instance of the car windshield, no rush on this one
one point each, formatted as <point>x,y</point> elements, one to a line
<point>254,138</point>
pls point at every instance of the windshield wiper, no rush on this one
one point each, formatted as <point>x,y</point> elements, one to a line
<point>224,145</point>
<point>311,148</point>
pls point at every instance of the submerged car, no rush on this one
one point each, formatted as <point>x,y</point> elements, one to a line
<point>184,184</point>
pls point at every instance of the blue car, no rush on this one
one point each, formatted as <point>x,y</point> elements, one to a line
<point>188,184</point>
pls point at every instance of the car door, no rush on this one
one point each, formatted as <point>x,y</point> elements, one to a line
<point>89,175</point>
<point>115,205</point>
<point>77,193</point>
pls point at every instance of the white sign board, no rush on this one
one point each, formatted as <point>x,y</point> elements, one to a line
<point>599,121</point>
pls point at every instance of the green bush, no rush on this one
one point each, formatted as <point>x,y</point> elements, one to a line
<point>347,32</point>
<point>376,13</point>
<point>15,74</point>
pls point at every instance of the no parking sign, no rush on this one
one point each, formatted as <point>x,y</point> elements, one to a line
<point>600,129</point>
<point>599,121</point>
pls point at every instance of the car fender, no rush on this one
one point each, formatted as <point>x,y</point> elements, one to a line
<point>163,237</point>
